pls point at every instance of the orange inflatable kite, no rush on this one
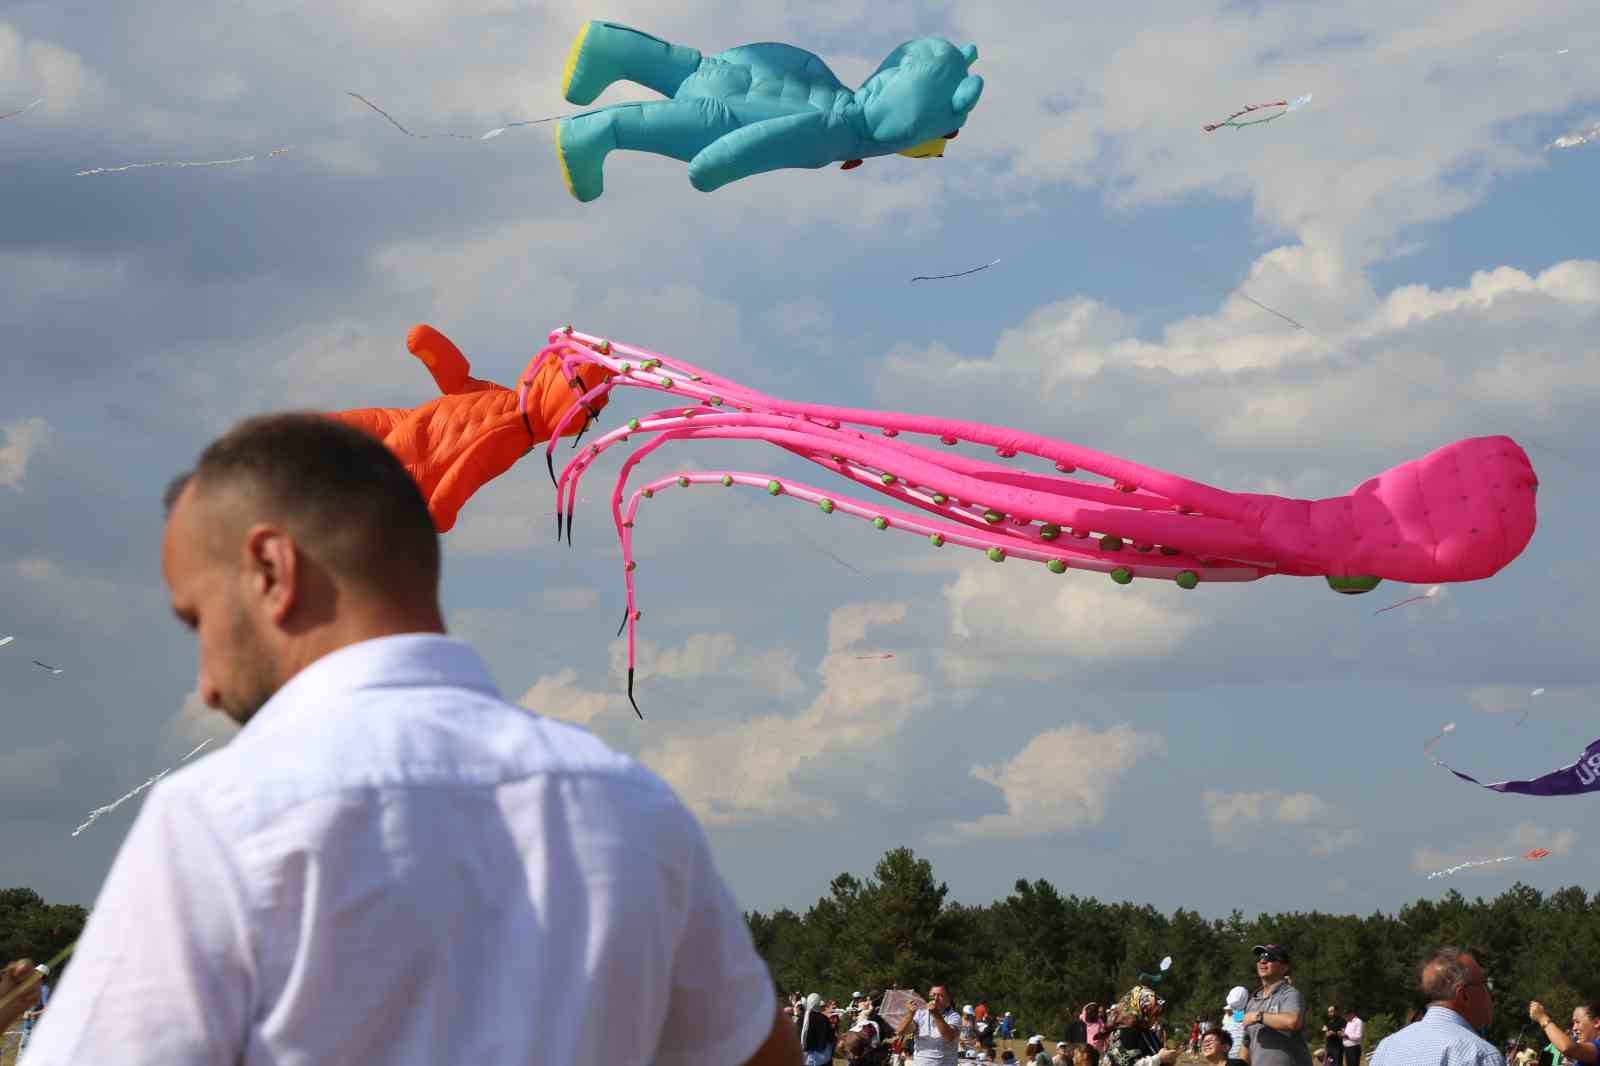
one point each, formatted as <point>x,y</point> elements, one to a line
<point>474,432</point>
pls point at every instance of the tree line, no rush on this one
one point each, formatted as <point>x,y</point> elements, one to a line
<point>1043,955</point>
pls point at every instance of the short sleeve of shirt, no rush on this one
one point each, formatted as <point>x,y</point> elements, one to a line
<point>1289,1001</point>
<point>716,963</point>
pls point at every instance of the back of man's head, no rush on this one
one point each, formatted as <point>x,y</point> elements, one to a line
<point>1442,973</point>
<point>345,498</point>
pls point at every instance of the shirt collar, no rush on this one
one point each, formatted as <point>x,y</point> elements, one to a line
<point>407,659</point>
<point>1437,1012</point>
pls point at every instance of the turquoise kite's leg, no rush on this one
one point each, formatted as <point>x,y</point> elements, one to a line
<point>802,140</point>
<point>604,52</point>
<point>675,128</point>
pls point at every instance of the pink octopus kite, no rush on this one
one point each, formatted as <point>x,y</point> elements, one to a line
<point>1460,513</point>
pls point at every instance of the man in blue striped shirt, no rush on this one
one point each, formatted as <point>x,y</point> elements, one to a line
<point>1459,1007</point>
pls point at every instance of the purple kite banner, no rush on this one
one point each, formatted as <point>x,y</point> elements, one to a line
<point>1577,777</point>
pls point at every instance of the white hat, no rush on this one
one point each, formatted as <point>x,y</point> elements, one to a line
<point>1061,1043</point>
<point>1237,998</point>
<point>1008,1014</point>
<point>1036,1039</point>
<point>42,968</point>
<point>857,995</point>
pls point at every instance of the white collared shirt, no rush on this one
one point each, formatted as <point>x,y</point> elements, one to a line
<point>392,865</point>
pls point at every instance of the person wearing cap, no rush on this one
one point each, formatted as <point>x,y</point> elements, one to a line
<point>1459,1007</point>
<point>31,1018</point>
<point>1233,1020</point>
<point>1034,1054</point>
<point>1275,1017</point>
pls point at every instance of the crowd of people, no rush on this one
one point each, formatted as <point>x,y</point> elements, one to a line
<point>1269,1027</point>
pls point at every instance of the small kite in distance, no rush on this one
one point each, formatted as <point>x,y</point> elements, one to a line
<point>6,640</point>
<point>885,655</point>
<point>1531,854</point>
<point>964,273</point>
<point>54,670</point>
<point>1573,140</point>
<point>23,110</point>
<point>1433,590</point>
<point>1260,113</point>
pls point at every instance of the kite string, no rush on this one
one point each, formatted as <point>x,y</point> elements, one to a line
<point>108,808</point>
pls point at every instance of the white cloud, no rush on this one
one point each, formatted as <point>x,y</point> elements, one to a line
<point>1238,388</point>
<point>1061,781</point>
<point>1019,617</point>
<point>40,69</point>
<point>194,722</point>
<point>560,696</point>
<point>747,772</point>
<point>23,438</point>
<point>1518,841</point>
<point>86,600</point>
<point>1238,819</point>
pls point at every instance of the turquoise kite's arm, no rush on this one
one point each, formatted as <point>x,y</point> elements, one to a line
<point>774,144</point>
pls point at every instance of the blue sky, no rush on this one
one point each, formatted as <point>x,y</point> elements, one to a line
<point>1255,746</point>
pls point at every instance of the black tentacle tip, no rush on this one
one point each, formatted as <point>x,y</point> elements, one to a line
<point>624,624</point>
<point>558,525</point>
<point>636,709</point>
<point>569,527</point>
<point>550,465</point>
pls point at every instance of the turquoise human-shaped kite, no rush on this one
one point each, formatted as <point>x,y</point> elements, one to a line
<point>755,108</point>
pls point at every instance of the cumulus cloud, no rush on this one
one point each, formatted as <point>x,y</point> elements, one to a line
<point>194,723</point>
<point>1061,781</point>
<point>1520,839</point>
<point>1251,398</point>
<point>1018,617</point>
<point>1236,820</point>
<point>22,439</point>
<point>36,68</point>
<point>560,696</point>
<point>749,771</point>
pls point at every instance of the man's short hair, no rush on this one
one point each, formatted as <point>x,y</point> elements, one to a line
<point>1442,974</point>
<point>1221,1034</point>
<point>347,497</point>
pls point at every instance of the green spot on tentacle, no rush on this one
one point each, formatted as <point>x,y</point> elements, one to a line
<point>649,494</point>
<point>1056,566</point>
<point>992,516</point>
<point>683,481</point>
<point>715,401</point>
<point>666,383</point>
<point>996,555</point>
<point>727,481</point>
<point>633,424</point>
<point>1122,575</point>
<point>940,498</point>
<point>880,522</point>
<point>694,377</point>
<point>649,364</point>
<point>627,368</point>
<point>773,488</point>
<point>936,540</point>
<point>887,479</point>
<point>1049,531</point>
<point>1110,543</point>
<point>826,506</point>
<point>1187,579</point>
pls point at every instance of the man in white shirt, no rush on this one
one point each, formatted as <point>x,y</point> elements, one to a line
<point>1354,1030</point>
<point>389,864</point>
<point>936,1028</point>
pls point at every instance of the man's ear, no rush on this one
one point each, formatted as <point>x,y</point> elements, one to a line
<point>272,565</point>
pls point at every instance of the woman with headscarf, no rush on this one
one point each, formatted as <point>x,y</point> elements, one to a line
<point>1134,1040</point>
<point>816,1033</point>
